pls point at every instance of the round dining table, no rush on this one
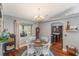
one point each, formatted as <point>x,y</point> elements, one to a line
<point>39,42</point>
<point>38,47</point>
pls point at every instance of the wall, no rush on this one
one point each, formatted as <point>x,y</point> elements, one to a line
<point>72,38</point>
<point>9,24</point>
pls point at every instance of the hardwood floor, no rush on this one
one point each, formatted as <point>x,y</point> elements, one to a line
<point>56,48</point>
<point>17,52</point>
<point>11,53</point>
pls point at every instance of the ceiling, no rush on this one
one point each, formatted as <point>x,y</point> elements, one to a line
<point>29,10</point>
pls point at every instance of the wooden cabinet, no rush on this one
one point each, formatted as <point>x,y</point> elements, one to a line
<point>10,45</point>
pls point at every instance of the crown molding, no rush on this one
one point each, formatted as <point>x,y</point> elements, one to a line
<point>62,18</point>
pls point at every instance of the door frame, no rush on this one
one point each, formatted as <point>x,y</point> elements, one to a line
<point>58,24</point>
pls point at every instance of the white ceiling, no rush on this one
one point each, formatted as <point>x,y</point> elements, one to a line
<point>29,10</point>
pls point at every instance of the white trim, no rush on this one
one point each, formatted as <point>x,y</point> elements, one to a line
<point>61,18</point>
<point>22,45</point>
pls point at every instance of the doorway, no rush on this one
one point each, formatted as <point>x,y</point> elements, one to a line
<point>57,35</point>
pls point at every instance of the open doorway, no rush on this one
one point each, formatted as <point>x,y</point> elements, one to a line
<point>57,35</point>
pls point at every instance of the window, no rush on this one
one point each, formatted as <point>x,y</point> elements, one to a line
<point>25,30</point>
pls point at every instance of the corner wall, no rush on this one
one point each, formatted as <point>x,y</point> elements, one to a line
<point>71,39</point>
<point>9,24</point>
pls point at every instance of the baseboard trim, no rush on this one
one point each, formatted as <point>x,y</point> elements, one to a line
<point>22,45</point>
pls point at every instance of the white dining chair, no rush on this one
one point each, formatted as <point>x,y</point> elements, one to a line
<point>45,50</point>
<point>30,50</point>
<point>44,38</point>
<point>47,39</point>
<point>46,47</point>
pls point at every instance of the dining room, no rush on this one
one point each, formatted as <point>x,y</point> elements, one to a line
<point>39,29</point>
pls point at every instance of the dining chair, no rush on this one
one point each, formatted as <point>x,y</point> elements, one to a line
<point>30,50</point>
<point>46,47</point>
<point>45,50</point>
<point>44,38</point>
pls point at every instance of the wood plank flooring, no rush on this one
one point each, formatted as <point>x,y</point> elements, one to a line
<point>56,48</point>
<point>17,52</point>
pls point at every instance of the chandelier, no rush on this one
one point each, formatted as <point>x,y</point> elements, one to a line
<point>38,18</point>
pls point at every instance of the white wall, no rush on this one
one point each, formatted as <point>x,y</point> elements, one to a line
<point>72,38</point>
<point>9,24</point>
